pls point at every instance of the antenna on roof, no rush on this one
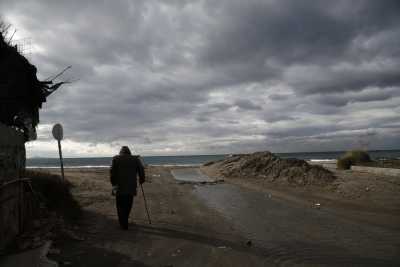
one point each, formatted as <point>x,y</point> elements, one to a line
<point>24,46</point>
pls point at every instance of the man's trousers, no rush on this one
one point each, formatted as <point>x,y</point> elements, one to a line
<point>124,206</point>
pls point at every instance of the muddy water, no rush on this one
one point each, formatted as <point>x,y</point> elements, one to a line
<point>193,175</point>
<point>289,234</point>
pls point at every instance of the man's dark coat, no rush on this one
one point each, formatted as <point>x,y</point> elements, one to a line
<point>124,171</point>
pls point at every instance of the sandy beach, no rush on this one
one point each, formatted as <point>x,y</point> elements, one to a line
<point>237,222</point>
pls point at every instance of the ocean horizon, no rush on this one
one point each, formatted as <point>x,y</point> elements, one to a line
<point>187,160</point>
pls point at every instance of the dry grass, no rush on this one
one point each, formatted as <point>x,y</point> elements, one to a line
<point>55,194</point>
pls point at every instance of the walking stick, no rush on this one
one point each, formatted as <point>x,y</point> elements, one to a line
<point>145,204</point>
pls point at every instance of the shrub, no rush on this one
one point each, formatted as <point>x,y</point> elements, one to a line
<point>55,193</point>
<point>344,163</point>
<point>352,157</point>
<point>358,156</point>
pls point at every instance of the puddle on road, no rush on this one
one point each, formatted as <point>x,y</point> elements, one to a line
<point>191,175</point>
<point>250,213</point>
<point>289,234</point>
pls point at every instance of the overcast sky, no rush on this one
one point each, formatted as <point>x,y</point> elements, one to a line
<point>209,77</point>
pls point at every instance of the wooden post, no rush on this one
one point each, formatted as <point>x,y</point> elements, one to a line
<point>61,159</point>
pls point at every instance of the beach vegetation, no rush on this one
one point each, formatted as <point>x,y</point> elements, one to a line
<point>353,157</point>
<point>54,193</point>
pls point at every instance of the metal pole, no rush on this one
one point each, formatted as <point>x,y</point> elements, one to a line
<point>145,204</point>
<point>61,159</point>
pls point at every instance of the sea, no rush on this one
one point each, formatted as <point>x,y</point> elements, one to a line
<point>190,160</point>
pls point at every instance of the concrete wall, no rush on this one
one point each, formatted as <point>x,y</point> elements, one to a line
<point>12,164</point>
<point>381,171</point>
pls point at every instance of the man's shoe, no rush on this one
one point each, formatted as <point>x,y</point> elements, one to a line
<point>123,226</point>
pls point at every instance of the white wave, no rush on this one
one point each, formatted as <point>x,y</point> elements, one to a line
<point>107,166</point>
<point>175,165</point>
<point>68,167</point>
<point>322,160</point>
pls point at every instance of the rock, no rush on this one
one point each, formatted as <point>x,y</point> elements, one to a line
<point>73,236</point>
<point>24,245</point>
<point>44,261</point>
<point>36,223</point>
<point>54,251</point>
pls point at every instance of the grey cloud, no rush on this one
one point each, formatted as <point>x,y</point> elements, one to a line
<point>316,80</point>
<point>219,106</point>
<point>294,31</point>
<point>276,117</point>
<point>367,95</point>
<point>278,97</point>
<point>302,131</point>
<point>286,33</point>
<point>247,105</point>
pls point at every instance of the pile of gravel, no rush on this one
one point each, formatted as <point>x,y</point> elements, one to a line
<point>265,165</point>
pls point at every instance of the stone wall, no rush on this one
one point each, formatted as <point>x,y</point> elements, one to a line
<point>12,165</point>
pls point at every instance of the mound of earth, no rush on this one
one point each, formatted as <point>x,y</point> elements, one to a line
<point>265,165</point>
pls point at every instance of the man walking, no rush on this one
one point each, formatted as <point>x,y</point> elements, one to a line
<point>123,177</point>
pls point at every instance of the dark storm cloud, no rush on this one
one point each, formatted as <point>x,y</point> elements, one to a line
<point>218,76</point>
<point>276,118</point>
<point>247,105</point>
<point>317,80</point>
<point>278,97</point>
<point>367,95</point>
<point>309,33</point>
<point>295,31</point>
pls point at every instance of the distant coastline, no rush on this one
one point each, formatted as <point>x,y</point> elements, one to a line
<point>104,162</point>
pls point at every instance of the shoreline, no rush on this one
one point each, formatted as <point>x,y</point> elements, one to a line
<point>105,167</point>
<point>311,161</point>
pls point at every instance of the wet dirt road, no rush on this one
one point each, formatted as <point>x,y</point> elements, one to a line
<point>288,233</point>
<point>198,223</point>
<point>291,234</point>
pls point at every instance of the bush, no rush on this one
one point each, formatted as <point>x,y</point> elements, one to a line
<point>55,193</point>
<point>351,158</point>
<point>344,163</point>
